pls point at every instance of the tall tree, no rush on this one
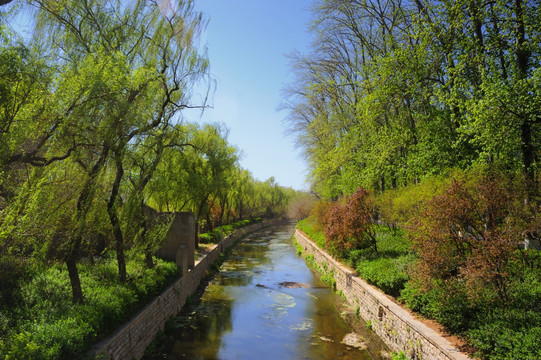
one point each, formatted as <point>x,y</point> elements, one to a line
<point>120,70</point>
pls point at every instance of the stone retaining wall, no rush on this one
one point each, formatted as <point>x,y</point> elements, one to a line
<point>393,324</point>
<point>130,340</point>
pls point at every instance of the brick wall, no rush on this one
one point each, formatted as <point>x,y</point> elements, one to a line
<point>130,340</point>
<point>392,323</point>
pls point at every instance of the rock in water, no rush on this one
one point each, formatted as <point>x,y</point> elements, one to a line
<point>354,340</point>
<point>292,284</point>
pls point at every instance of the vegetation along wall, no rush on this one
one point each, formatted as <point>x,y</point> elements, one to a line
<point>393,324</point>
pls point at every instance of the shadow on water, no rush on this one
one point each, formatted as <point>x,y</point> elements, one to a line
<point>266,304</point>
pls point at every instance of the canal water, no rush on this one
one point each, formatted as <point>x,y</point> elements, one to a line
<point>265,303</point>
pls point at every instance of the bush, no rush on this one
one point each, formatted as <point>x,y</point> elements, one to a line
<point>319,213</point>
<point>467,233</point>
<point>350,226</point>
<point>399,356</point>
<point>13,271</point>
<point>397,207</point>
<point>512,330</point>
<point>499,339</point>
<point>216,235</point>
<point>206,238</point>
<point>310,227</point>
<point>446,302</point>
<point>388,267</point>
<point>387,274</point>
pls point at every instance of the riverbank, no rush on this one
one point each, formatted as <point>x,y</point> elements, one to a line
<point>392,323</point>
<point>131,339</point>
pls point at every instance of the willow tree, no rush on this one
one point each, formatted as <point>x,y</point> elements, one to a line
<point>121,71</point>
<point>193,178</point>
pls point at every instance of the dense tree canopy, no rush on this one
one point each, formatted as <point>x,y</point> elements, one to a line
<point>394,91</point>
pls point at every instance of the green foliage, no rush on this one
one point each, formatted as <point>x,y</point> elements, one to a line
<point>457,301</point>
<point>399,356</point>
<point>512,330</point>
<point>388,267</point>
<point>224,230</point>
<point>385,273</point>
<point>502,336</point>
<point>299,249</point>
<point>508,329</point>
<point>398,206</point>
<point>414,91</point>
<point>310,226</point>
<point>327,276</point>
<point>13,271</point>
<point>47,325</point>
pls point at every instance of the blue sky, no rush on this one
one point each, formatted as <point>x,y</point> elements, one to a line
<point>247,42</point>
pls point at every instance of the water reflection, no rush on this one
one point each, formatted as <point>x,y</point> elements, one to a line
<point>265,304</point>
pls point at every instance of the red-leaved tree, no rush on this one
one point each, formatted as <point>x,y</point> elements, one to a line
<point>350,225</point>
<point>468,234</point>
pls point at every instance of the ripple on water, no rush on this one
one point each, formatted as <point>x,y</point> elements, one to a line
<point>280,304</point>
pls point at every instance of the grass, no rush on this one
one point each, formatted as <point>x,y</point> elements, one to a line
<point>214,237</point>
<point>386,268</point>
<point>45,324</point>
<point>309,227</point>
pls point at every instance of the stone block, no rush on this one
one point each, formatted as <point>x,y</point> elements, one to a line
<point>179,243</point>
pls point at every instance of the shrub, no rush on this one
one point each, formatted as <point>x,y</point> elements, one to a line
<point>310,227</point>
<point>446,302</point>
<point>513,329</point>
<point>319,213</point>
<point>414,298</point>
<point>350,226</point>
<point>385,273</point>
<point>206,238</point>
<point>399,356</point>
<point>466,233</point>
<point>13,271</point>
<point>502,338</point>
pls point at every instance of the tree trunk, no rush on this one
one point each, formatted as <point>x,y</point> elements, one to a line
<point>82,209</point>
<point>115,223</point>
<point>149,260</point>
<point>522,55</point>
<point>76,290</point>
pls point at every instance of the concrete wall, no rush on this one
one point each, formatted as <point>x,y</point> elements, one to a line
<point>179,244</point>
<point>392,323</point>
<point>130,340</point>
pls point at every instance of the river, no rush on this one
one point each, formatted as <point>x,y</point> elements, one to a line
<point>265,303</point>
